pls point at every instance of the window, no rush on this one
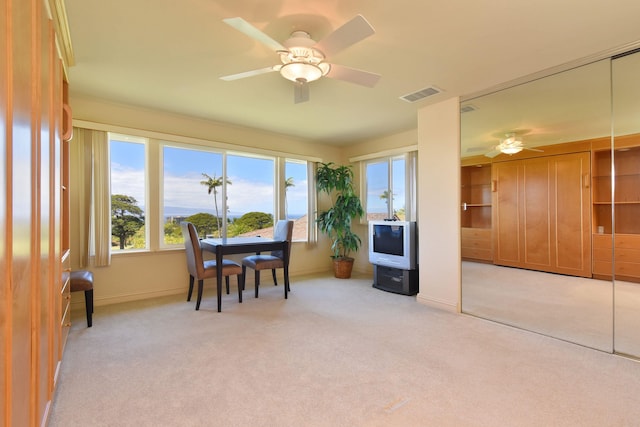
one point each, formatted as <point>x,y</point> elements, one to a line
<point>250,194</point>
<point>296,197</point>
<point>387,191</point>
<point>192,190</point>
<point>128,191</point>
<point>159,184</point>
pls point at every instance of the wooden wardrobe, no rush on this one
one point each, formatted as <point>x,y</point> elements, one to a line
<point>34,243</point>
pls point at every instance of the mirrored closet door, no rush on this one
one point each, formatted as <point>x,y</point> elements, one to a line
<point>625,71</point>
<point>536,189</point>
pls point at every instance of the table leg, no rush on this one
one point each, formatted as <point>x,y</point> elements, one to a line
<point>285,253</point>
<point>219,276</point>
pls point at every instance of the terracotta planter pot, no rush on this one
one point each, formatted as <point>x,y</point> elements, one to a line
<point>342,267</point>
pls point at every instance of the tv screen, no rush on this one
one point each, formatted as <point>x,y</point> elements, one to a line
<point>388,239</point>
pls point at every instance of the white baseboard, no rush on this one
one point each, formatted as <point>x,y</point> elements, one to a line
<point>439,304</point>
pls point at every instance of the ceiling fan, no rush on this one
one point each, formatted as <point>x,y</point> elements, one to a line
<point>303,60</point>
<point>511,144</point>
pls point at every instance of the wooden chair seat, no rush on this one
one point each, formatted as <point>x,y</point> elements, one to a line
<point>82,280</point>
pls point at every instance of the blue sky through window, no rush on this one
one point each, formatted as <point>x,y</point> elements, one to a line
<point>183,194</point>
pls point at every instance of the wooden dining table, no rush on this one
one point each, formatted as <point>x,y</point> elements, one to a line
<point>243,245</point>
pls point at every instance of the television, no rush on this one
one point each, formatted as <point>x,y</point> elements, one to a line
<point>393,244</point>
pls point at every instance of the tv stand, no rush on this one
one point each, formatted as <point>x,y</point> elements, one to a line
<point>395,280</point>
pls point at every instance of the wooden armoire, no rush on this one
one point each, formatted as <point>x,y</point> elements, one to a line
<point>34,243</point>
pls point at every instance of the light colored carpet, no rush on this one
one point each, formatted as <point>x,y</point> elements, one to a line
<point>336,353</point>
<point>575,309</point>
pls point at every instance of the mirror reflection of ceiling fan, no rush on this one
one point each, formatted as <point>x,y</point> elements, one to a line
<point>511,144</point>
<point>303,60</point>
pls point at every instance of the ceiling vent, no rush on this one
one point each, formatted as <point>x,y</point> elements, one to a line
<point>468,108</point>
<point>421,94</point>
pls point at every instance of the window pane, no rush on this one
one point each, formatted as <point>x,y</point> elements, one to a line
<point>127,193</point>
<point>398,200</point>
<point>296,198</point>
<point>377,190</point>
<point>250,194</point>
<point>192,191</point>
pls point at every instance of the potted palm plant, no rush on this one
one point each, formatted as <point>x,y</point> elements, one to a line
<point>337,182</point>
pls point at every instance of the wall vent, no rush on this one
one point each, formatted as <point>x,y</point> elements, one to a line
<point>468,108</point>
<point>421,94</point>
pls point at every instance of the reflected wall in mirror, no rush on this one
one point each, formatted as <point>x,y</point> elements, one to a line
<point>530,195</point>
<point>626,206</point>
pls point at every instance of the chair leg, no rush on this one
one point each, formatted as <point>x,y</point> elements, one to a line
<point>244,274</point>
<point>226,281</point>
<point>88,301</point>
<point>257,275</point>
<point>200,286</point>
<point>273,273</point>
<point>240,286</point>
<point>191,279</point>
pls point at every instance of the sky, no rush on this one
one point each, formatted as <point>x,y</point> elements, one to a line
<point>378,183</point>
<point>251,187</point>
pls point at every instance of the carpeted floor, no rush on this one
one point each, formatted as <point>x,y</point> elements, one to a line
<point>336,353</point>
<point>575,309</point>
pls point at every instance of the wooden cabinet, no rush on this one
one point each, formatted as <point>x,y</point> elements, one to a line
<point>31,163</point>
<point>541,214</point>
<point>475,218</point>
<point>620,215</point>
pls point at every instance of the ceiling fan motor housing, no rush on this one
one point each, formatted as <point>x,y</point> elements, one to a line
<point>301,59</point>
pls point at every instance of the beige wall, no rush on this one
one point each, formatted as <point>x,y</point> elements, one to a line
<point>146,275</point>
<point>439,204</point>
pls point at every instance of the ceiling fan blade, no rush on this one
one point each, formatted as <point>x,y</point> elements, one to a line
<point>349,33</point>
<point>248,29</point>
<point>476,149</point>
<point>351,75</point>
<point>492,154</point>
<point>300,92</point>
<point>533,149</point>
<point>248,74</point>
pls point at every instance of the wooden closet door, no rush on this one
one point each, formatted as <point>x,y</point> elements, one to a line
<point>538,209</point>
<point>572,214</point>
<point>506,213</point>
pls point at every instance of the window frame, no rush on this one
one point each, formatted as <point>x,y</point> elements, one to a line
<point>410,177</point>
<point>154,223</point>
<point>131,139</point>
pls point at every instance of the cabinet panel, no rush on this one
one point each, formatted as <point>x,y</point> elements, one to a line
<point>506,214</point>
<point>476,244</point>
<point>472,253</point>
<point>476,233</point>
<point>31,81</point>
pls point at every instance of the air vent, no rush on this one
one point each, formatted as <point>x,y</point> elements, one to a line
<point>421,94</point>
<point>468,108</point>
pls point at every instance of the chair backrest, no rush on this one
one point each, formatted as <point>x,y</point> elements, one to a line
<point>283,231</point>
<point>195,262</point>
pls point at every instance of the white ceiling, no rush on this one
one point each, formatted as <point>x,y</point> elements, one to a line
<point>169,55</point>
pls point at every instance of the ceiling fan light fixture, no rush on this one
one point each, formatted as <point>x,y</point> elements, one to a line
<point>511,150</point>
<point>511,145</point>
<point>301,72</point>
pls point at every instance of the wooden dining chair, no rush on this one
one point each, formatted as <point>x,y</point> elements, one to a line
<point>282,231</point>
<point>201,269</point>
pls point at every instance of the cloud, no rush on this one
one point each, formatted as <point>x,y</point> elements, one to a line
<point>187,191</point>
